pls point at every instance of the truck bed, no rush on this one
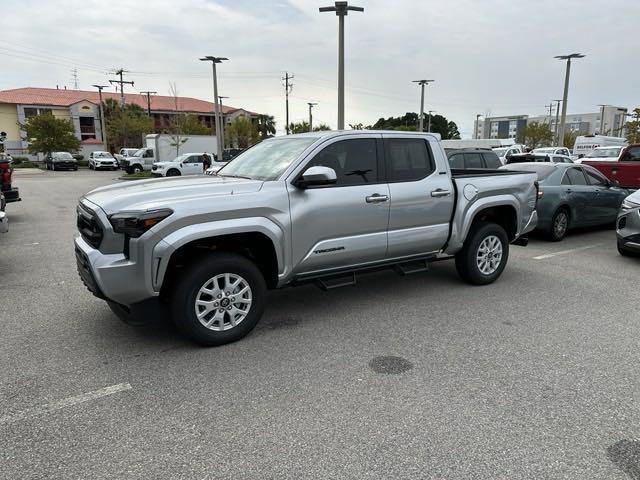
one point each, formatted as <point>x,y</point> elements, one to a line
<point>482,172</point>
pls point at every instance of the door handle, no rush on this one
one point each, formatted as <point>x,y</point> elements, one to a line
<point>568,190</point>
<point>440,193</point>
<point>376,198</point>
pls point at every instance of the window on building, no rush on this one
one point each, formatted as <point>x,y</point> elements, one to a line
<point>87,128</point>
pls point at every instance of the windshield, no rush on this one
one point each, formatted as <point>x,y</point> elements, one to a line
<point>64,155</point>
<point>544,150</point>
<point>102,155</point>
<point>542,170</point>
<point>182,157</point>
<point>604,152</point>
<point>267,160</point>
<point>139,153</point>
<point>501,152</point>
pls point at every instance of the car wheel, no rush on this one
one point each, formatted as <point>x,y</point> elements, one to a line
<point>484,254</point>
<point>75,169</point>
<point>559,225</point>
<point>173,173</point>
<point>219,299</point>
<point>625,252</point>
<point>48,166</point>
<point>137,169</point>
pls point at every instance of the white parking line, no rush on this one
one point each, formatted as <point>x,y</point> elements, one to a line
<point>65,402</point>
<point>563,252</point>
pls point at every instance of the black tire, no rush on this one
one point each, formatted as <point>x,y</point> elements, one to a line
<point>556,234</point>
<point>53,167</point>
<point>467,258</point>
<point>173,172</point>
<point>75,169</point>
<point>196,276</point>
<point>90,167</point>
<point>129,170</point>
<point>48,166</point>
<point>625,252</point>
<point>136,169</point>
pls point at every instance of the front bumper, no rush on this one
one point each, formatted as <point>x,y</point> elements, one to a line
<point>69,165</point>
<point>628,229</point>
<point>113,277</point>
<point>106,165</point>
<point>4,222</point>
<point>11,195</point>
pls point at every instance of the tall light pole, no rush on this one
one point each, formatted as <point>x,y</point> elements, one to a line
<point>422,84</point>
<point>341,9</point>
<point>220,97</point>
<point>602,117</point>
<point>478,115</point>
<point>566,93</point>
<point>311,105</point>
<point>555,130</point>
<point>429,125</point>
<point>214,61</point>
<point>103,134</point>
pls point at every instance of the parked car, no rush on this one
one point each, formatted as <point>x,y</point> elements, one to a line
<point>98,160</point>
<point>4,220</point>
<point>628,226</point>
<point>563,151</point>
<point>625,171</point>
<point>185,164</point>
<point>10,192</point>
<point>602,154</point>
<point>542,157</point>
<point>572,196</point>
<point>61,161</point>
<point>123,153</point>
<point>227,155</point>
<point>504,153</point>
<point>470,158</point>
<point>315,207</point>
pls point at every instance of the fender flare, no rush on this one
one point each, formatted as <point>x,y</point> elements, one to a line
<point>164,249</point>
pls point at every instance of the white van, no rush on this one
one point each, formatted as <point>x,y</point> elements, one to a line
<point>585,143</point>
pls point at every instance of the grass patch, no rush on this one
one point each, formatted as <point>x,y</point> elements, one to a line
<point>136,176</point>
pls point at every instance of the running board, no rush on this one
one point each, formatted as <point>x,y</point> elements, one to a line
<point>408,268</point>
<point>329,283</point>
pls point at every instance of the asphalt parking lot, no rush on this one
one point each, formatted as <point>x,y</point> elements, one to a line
<point>535,376</point>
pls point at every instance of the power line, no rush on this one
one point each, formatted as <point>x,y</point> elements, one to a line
<point>148,94</point>
<point>121,82</point>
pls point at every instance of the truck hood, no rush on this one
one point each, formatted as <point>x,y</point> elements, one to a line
<point>166,192</point>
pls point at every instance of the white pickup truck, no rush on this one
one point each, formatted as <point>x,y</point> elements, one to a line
<point>186,164</point>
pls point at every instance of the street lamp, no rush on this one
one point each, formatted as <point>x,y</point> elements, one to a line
<point>103,134</point>
<point>213,61</point>
<point>566,93</point>
<point>478,115</point>
<point>220,98</point>
<point>341,9</point>
<point>429,127</point>
<point>311,105</point>
<point>422,83</point>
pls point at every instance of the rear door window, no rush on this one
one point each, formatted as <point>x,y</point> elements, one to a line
<point>491,160</point>
<point>456,161</point>
<point>634,153</point>
<point>473,160</point>
<point>408,159</point>
<point>595,177</point>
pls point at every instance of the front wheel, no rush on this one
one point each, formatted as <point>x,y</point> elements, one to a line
<point>484,254</point>
<point>219,299</point>
<point>173,173</point>
<point>137,169</point>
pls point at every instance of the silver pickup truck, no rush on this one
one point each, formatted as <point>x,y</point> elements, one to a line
<point>312,207</point>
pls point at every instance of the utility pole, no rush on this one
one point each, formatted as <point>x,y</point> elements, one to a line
<point>429,127</point>
<point>566,94</point>
<point>341,9</point>
<point>148,94</point>
<point>477,135</point>
<point>74,75</point>
<point>311,105</point>
<point>103,133</point>
<point>214,61</point>
<point>121,82</point>
<point>422,84</point>
<point>220,97</point>
<point>602,118</point>
<point>288,88</point>
<point>555,133</point>
<point>550,109</point>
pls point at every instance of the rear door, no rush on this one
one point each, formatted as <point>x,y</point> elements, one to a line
<point>343,224</point>
<point>421,196</point>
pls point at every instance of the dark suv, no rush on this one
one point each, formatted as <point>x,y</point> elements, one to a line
<point>471,158</point>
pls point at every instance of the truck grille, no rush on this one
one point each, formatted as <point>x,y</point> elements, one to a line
<point>89,227</point>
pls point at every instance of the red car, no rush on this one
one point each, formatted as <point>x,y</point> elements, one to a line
<point>11,194</point>
<point>625,171</point>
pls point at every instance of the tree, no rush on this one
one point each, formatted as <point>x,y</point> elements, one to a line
<point>535,135</point>
<point>190,124</point>
<point>321,127</point>
<point>299,127</point>
<point>410,121</point>
<point>126,126</point>
<point>356,126</point>
<point>241,132</point>
<point>46,133</point>
<point>570,139</point>
<point>633,127</point>
<point>266,126</point>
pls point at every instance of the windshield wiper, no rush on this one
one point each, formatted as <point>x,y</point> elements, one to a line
<point>236,176</point>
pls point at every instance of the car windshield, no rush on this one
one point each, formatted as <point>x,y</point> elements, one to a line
<point>544,150</point>
<point>102,155</point>
<point>267,160</point>
<point>139,152</point>
<point>501,152</point>
<point>604,152</point>
<point>64,155</point>
<point>182,157</point>
<point>543,171</point>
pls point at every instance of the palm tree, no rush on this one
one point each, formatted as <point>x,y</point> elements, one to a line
<point>266,126</point>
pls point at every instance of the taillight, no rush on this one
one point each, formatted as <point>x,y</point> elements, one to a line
<point>540,194</point>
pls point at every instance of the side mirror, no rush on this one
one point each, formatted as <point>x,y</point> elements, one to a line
<point>316,176</point>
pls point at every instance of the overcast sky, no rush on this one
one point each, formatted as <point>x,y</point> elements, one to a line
<point>486,56</point>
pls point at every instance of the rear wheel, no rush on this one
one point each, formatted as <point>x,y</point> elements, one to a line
<point>173,173</point>
<point>219,299</point>
<point>559,225</point>
<point>484,254</point>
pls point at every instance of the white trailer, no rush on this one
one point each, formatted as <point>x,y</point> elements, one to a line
<point>585,143</point>
<point>165,147</point>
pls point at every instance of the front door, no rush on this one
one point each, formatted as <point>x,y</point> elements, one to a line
<point>422,197</point>
<point>607,199</point>
<point>343,224</point>
<point>581,197</point>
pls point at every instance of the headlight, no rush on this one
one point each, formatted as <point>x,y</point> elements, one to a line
<point>135,224</point>
<point>628,204</point>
